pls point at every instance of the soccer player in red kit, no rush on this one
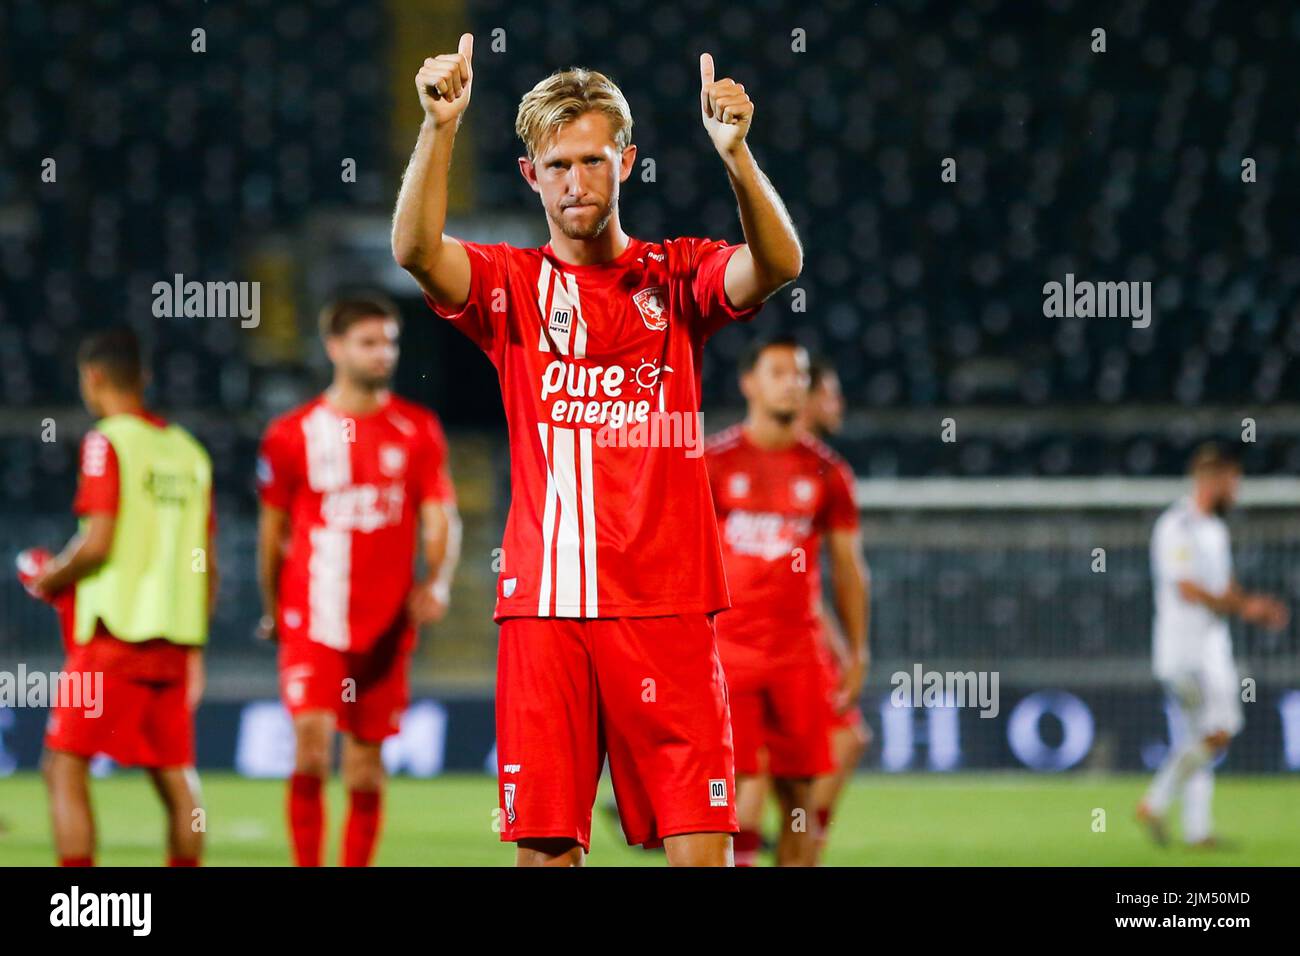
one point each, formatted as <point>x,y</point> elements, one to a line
<point>611,568</point>
<point>778,491</point>
<point>134,589</point>
<point>850,735</point>
<point>344,482</point>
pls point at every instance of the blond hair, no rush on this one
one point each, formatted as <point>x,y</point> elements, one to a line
<point>564,96</point>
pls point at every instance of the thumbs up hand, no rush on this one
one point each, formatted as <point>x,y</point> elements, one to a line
<point>444,83</point>
<point>724,107</point>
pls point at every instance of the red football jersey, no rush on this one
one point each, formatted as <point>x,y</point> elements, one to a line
<point>600,377</point>
<point>352,485</point>
<point>773,507</point>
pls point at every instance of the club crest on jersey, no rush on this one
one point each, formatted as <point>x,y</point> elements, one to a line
<point>803,489</point>
<point>392,460</point>
<point>652,305</point>
<point>738,484</point>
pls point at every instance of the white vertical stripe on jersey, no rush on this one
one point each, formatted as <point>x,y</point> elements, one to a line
<point>329,573</point>
<point>577,322</point>
<point>545,275</point>
<point>568,557</point>
<point>556,290</point>
<point>329,456</point>
<point>329,568</point>
<point>548,524</point>
<point>588,521</point>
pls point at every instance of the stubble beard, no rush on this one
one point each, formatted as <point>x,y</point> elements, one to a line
<point>574,231</point>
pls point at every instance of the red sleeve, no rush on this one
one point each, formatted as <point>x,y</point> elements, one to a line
<point>433,471</point>
<point>839,509</point>
<point>708,287</point>
<point>711,466</point>
<point>277,468</point>
<point>97,478</point>
<point>482,318</point>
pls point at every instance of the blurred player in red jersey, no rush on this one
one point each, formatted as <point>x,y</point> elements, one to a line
<point>778,491</point>
<point>133,589</point>
<point>612,569</point>
<point>344,481</point>
<point>850,736</point>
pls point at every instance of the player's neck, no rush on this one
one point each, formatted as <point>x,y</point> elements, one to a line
<point>608,246</point>
<point>770,434</point>
<point>350,400</point>
<point>121,403</point>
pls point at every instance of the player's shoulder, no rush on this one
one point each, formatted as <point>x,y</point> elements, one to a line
<point>504,251</point>
<point>681,254</point>
<point>96,441</point>
<point>184,435</point>
<point>1179,517</point>
<point>725,441</point>
<point>411,418</point>
<point>826,456</point>
<point>96,449</point>
<point>289,423</point>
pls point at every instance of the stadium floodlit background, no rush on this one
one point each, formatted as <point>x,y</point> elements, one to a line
<point>273,155</point>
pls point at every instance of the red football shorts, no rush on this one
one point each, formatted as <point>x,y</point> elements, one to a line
<point>366,691</point>
<point>781,710</point>
<point>646,692</point>
<point>141,718</point>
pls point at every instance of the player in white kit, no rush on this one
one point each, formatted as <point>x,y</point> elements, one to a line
<point>1195,594</point>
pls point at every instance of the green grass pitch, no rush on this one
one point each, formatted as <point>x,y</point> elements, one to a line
<point>885,820</point>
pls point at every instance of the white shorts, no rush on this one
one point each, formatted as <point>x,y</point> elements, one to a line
<point>1208,699</point>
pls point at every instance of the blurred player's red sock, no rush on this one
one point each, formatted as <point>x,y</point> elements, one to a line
<point>363,827</point>
<point>76,861</point>
<point>745,847</point>
<point>823,818</point>
<point>182,861</point>
<point>306,818</point>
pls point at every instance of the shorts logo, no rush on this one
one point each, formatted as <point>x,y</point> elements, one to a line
<point>717,793</point>
<point>295,683</point>
<point>654,312</point>
<point>509,791</point>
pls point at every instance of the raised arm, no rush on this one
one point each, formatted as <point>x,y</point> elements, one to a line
<point>435,260</point>
<point>771,256</point>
